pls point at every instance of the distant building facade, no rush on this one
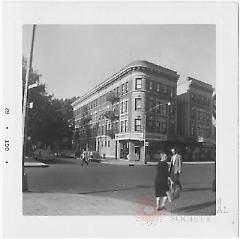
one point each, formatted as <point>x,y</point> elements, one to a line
<point>130,115</point>
<point>195,111</point>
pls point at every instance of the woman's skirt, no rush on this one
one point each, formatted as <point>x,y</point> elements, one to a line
<point>161,189</point>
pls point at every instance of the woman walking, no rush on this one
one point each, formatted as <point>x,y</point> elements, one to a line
<point>161,182</point>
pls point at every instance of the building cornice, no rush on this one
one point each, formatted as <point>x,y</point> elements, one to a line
<point>134,66</point>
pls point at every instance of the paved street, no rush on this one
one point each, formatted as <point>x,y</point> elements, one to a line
<point>67,188</point>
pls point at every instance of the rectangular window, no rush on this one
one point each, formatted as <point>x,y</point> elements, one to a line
<point>126,106</point>
<point>171,108</point>
<point>193,129</point>
<point>117,91</point>
<point>198,99</point>
<point>193,98</point>
<point>208,101</point>
<point>116,127</point>
<point>122,122</point>
<point>198,115</point>
<point>151,105</point>
<point>171,127</point>
<point>123,89</point>
<point>151,125</point>
<point>150,85</point>
<point>157,126</point>
<point>158,87</point>
<point>126,87</point>
<point>125,126</point>
<point>137,124</point>
<point>109,143</point>
<point>193,115</point>
<point>164,89</point>
<point>138,84</point>
<point>172,92</point>
<point>163,128</point>
<point>138,104</point>
<point>121,107</point>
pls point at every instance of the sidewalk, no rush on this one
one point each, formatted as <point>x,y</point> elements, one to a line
<point>31,162</point>
<point>138,163</point>
<point>50,204</point>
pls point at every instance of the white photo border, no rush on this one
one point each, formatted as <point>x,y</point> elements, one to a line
<point>224,15</point>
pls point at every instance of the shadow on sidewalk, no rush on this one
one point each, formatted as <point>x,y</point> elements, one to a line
<point>117,189</point>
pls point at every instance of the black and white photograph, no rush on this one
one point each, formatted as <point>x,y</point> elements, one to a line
<point>121,118</point>
<point>99,115</point>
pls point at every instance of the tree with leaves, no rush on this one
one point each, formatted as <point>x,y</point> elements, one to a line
<point>50,121</point>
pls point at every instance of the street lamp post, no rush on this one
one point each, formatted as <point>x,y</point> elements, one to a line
<point>25,111</point>
<point>145,126</point>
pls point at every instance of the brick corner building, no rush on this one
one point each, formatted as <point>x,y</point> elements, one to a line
<point>132,114</point>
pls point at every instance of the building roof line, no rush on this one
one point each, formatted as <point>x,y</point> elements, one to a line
<point>145,65</point>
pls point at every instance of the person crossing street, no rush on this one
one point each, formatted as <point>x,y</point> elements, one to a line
<point>84,157</point>
<point>176,167</point>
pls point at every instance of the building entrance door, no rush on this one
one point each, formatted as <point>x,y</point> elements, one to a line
<point>124,151</point>
<point>137,153</point>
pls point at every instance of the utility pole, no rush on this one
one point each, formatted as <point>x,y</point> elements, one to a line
<point>25,110</point>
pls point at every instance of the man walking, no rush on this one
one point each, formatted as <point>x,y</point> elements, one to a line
<point>84,157</point>
<point>176,167</point>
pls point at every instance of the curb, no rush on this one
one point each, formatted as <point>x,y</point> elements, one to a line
<point>29,164</point>
<point>127,163</point>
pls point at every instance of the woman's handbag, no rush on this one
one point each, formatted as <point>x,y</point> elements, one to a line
<point>174,192</point>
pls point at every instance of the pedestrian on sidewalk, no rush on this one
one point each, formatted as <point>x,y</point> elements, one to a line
<point>84,157</point>
<point>161,182</point>
<point>176,167</point>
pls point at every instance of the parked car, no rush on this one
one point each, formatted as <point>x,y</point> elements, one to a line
<point>66,154</point>
<point>44,155</point>
<point>93,156</point>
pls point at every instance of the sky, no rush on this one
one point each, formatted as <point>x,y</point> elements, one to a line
<point>73,59</point>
